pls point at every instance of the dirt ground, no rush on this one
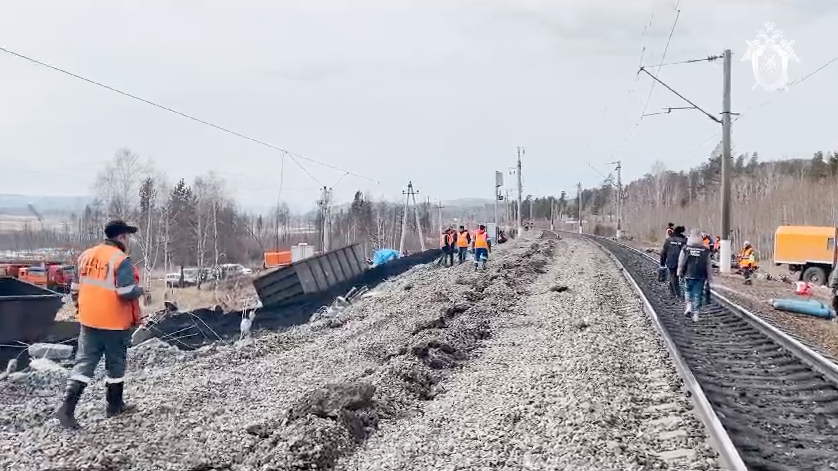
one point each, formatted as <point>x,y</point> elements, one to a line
<point>233,295</point>
<point>822,334</point>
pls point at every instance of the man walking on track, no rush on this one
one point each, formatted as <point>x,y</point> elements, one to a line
<point>694,266</point>
<point>108,307</point>
<point>669,259</point>
<point>482,245</point>
<point>463,241</point>
<point>447,242</point>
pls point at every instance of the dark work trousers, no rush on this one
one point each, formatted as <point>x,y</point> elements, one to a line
<point>447,257</point>
<point>93,344</point>
<point>675,284</point>
<point>462,252</point>
<point>747,272</point>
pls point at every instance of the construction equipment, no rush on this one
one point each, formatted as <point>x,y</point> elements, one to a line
<point>809,250</point>
<point>53,277</point>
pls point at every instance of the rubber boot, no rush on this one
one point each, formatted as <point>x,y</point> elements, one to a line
<point>116,405</point>
<point>67,412</point>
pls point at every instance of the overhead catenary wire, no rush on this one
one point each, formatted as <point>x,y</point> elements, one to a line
<point>791,85</point>
<point>690,61</point>
<point>657,80</point>
<point>652,88</point>
<point>293,156</point>
<point>663,57</point>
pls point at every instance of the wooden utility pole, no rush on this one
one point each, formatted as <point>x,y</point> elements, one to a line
<point>724,245</point>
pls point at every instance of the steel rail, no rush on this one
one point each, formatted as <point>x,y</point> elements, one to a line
<point>811,358</point>
<point>720,439</point>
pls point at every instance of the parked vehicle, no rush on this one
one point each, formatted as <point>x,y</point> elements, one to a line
<point>52,277</point>
<point>174,280</point>
<point>809,250</point>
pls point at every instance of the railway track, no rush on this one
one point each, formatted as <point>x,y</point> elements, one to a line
<point>770,403</point>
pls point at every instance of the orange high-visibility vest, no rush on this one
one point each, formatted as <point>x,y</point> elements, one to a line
<point>481,240</point>
<point>707,242</point>
<point>747,259</point>
<point>462,239</point>
<point>445,240</point>
<point>100,306</point>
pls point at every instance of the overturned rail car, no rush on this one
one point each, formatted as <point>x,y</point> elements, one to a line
<point>27,313</point>
<point>312,275</point>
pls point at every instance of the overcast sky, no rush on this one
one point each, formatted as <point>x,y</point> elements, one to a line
<point>439,92</point>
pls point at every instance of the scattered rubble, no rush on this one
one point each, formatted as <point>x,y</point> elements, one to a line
<point>463,367</point>
<point>51,351</point>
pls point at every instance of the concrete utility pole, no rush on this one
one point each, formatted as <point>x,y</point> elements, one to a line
<point>324,202</point>
<point>418,224</point>
<point>520,191</point>
<point>409,192</point>
<point>724,245</point>
<point>619,198</point>
<point>530,199</point>
<point>579,204</point>
<point>552,211</point>
<point>439,207</point>
<point>506,204</point>
<point>498,184</point>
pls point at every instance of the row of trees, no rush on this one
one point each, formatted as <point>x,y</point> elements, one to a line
<point>198,223</point>
<point>764,196</point>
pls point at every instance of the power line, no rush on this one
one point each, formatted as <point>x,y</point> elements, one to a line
<point>742,115</point>
<point>681,96</point>
<point>293,156</point>
<point>669,110</point>
<point>652,88</point>
<point>663,56</point>
<point>691,61</point>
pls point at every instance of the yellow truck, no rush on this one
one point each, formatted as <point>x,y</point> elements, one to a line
<point>809,250</point>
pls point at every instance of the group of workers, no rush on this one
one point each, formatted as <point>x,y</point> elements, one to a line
<point>687,262</point>
<point>459,242</point>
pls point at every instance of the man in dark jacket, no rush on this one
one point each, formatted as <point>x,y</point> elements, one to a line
<point>695,268</point>
<point>669,258</point>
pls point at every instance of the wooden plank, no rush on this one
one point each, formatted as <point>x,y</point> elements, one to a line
<point>332,259</point>
<point>307,278</point>
<point>358,260</point>
<point>320,275</point>
<point>344,263</point>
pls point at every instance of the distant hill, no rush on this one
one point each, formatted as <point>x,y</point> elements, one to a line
<point>18,204</point>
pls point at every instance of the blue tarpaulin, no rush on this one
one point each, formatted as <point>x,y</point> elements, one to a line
<point>383,256</point>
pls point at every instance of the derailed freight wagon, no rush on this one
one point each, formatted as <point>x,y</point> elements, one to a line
<point>289,284</point>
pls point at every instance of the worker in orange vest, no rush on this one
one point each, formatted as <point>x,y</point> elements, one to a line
<point>463,241</point>
<point>108,307</point>
<point>707,241</point>
<point>482,246</point>
<point>747,262</point>
<point>447,241</point>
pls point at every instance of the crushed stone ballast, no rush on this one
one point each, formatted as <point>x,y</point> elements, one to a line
<point>776,399</point>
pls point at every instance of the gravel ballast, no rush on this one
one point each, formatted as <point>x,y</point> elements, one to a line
<point>572,378</point>
<point>537,362</point>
